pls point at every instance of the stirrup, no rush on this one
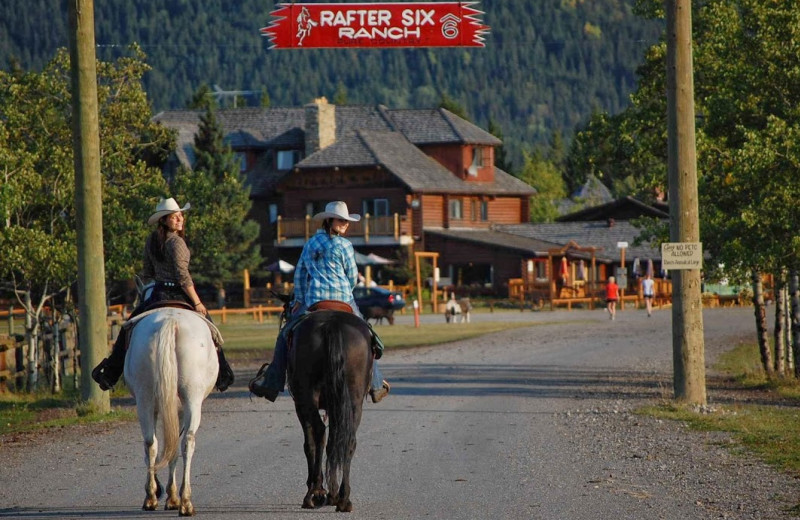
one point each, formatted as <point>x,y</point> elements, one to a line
<point>258,386</point>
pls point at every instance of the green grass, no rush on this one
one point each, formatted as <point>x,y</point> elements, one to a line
<point>772,432</point>
<point>39,411</point>
<point>246,341</point>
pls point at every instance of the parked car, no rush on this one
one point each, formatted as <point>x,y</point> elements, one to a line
<point>377,302</point>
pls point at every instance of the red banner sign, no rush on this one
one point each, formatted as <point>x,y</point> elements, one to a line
<point>400,24</point>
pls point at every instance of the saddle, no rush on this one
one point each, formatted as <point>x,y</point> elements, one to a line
<point>179,304</point>
<point>331,305</point>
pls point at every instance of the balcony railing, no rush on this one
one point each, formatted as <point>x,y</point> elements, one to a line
<point>367,227</point>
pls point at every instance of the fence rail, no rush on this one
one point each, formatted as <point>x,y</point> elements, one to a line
<point>56,354</point>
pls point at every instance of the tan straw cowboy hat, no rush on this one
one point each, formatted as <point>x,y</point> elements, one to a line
<point>337,209</point>
<point>166,207</point>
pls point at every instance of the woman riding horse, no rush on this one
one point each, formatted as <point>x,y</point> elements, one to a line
<point>326,271</point>
<point>166,260</point>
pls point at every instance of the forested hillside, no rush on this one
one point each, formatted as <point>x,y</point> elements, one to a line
<point>547,64</point>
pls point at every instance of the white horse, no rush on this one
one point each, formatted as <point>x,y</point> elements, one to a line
<point>171,360</point>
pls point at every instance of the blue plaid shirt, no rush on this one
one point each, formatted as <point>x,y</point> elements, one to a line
<point>326,271</point>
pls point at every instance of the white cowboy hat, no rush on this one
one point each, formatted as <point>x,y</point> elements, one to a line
<point>337,209</point>
<point>166,207</point>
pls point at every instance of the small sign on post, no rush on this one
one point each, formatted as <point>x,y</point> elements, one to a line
<point>682,255</point>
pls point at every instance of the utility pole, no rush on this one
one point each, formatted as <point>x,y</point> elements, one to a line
<point>88,199</point>
<point>687,307</point>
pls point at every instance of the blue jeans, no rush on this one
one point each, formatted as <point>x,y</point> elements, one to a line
<point>276,371</point>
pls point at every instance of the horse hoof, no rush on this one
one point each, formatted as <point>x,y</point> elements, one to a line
<point>346,508</point>
<point>186,510</point>
<point>150,504</point>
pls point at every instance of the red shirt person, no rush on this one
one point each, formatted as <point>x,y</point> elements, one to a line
<point>612,296</point>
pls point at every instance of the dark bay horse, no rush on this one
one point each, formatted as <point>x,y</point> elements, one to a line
<point>329,368</point>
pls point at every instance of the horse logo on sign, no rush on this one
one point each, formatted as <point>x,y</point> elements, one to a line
<point>304,25</point>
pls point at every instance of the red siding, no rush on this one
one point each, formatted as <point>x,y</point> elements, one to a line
<point>458,159</point>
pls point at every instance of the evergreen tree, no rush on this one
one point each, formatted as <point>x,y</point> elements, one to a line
<point>203,98</point>
<point>221,204</point>
<point>340,97</point>
<point>264,99</point>
<point>500,159</point>
<point>453,106</point>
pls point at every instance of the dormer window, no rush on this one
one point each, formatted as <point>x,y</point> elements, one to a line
<point>477,160</point>
<point>287,159</point>
<point>241,159</point>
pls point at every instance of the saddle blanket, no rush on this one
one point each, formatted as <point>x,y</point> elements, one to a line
<point>215,333</point>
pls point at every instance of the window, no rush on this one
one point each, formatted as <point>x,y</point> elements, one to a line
<point>241,158</point>
<point>541,271</point>
<point>456,209</point>
<point>375,207</point>
<point>480,210</point>
<point>287,159</point>
<point>477,160</point>
<point>273,213</point>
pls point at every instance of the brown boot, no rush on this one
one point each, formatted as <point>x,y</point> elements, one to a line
<point>379,394</point>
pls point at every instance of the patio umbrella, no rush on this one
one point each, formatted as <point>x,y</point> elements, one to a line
<point>564,272</point>
<point>280,267</point>
<point>636,266</point>
<point>362,259</point>
<point>650,267</point>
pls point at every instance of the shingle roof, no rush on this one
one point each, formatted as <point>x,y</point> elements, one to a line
<point>437,126</point>
<point>621,209</point>
<point>262,126</point>
<point>365,135</point>
<point>593,233</point>
<point>497,239</point>
<point>393,152</point>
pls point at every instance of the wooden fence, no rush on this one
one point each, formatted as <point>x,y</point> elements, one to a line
<point>56,355</point>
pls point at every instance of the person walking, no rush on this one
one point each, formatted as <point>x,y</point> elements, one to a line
<point>648,290</point>
<point>612,297</point>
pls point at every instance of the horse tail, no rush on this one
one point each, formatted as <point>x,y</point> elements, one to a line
<point>342,429</point>
<point>166,389</point>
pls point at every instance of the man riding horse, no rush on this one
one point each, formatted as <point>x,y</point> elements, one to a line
<point>325,273</point>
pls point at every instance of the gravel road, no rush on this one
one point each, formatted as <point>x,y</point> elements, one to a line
<point>534,422</point>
